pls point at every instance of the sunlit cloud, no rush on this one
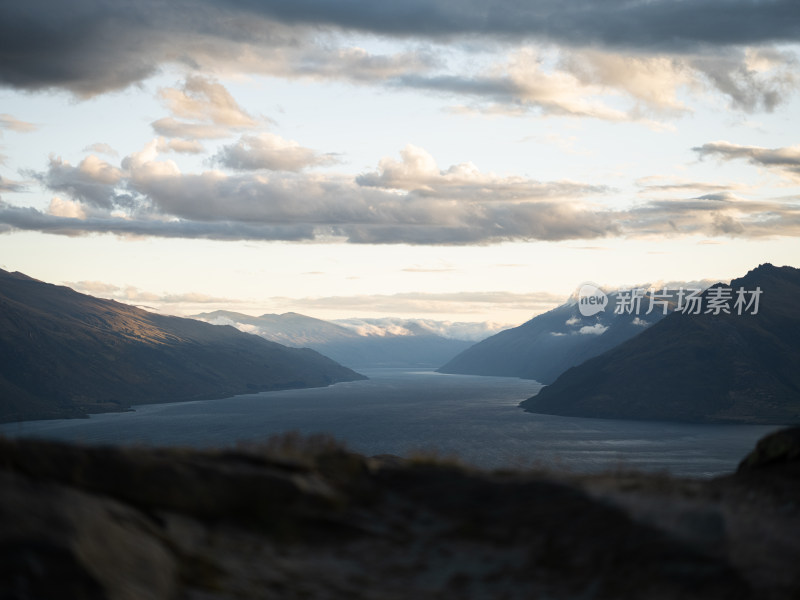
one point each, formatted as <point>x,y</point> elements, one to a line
<point>11,123</point>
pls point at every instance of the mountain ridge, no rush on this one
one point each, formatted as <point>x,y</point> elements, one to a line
<point>67,354</point>
<point>699,368</point>
<point>549,344</point>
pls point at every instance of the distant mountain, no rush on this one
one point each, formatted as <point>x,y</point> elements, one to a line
<point>701,368</point>
<point>551,343</point>
<point>65,354</point>
<point>361,343</point>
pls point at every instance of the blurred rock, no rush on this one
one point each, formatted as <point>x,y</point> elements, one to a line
<point>304,518</point>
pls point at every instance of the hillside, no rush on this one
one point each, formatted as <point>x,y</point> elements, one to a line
<point>550,343</point>
<point>307,519</point>
<point>701,368</point>
<point>377,347</point>
<point>65,354</point>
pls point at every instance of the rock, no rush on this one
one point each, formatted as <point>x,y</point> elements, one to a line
<point>308,519</point>
<point>777,448</point>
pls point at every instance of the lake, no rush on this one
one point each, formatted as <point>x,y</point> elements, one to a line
<point>399,411</point>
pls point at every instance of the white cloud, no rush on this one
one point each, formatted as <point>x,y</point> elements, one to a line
<point>66,208</point>
<point>205,99</point>
<point>390,326</point>
<point>13,124</point>
<point>101,148</point>
<point>169,127</point>
<point>180,146</point>
<point>269,151</point>
<point>597,329</point>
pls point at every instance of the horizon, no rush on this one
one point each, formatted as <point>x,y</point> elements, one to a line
<point>358,162</point>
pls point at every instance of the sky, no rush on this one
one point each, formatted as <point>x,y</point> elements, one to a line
<point>459,161</point>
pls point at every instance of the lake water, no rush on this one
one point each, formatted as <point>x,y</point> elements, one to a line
<point>402,411</point>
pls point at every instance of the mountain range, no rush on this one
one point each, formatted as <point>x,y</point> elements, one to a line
<point>551,343</point>
<point>726,367</point>
<point>359,344</point>
<point>66,354</point>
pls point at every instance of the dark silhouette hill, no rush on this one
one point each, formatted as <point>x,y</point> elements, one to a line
<point>550,343</point>
<point>66,354</point>
<point>697,367</point>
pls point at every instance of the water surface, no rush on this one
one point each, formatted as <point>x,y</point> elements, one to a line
<point>401,411</point>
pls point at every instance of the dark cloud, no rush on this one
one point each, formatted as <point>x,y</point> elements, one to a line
<point>714,215</point>
<point>654,24</point>
<point>31,219</point>
<point>93,46</point>
<point>783,160</point>
<point>741,77</point>
<point>93,181</point>
<point>484,224</point>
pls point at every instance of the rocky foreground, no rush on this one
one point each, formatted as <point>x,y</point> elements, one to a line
<point>303,518</point>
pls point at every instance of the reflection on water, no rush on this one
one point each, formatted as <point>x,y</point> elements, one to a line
<point>399,411</point>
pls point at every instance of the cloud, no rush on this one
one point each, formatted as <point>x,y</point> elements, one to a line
<point>719,215</point>
<point>418,173</point>
<point>180,146</point>
<point>95,47</point>
<point>31,219</point>
<point>652,81</point>
<point>269,151</point>
<point>658,23</point>
<point>204,99</point>
<point>518,86</point>
<point>66,208</point>
<point>589,82</point>
<point>419,269</point>
<point>783,160</point>
<point>93,181</point>
<point>752,78</point>
<point>9,185</point>
<point>430,303</point>
<point>172,128</point>
<point>655,184</point>
<point>133,295</point>
<point>410,201</point>
<point>14,124</point>
<point>597,329</point>
<point>207,110</point>
<point>643,50</point>
<point>101,148</point>
<point>393,326</point>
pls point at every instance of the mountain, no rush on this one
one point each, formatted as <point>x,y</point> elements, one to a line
<point>727,368</point>
<point>308,519</point>
<point>65,354</point>
<point>551,343</point>
<point>363,343</point>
